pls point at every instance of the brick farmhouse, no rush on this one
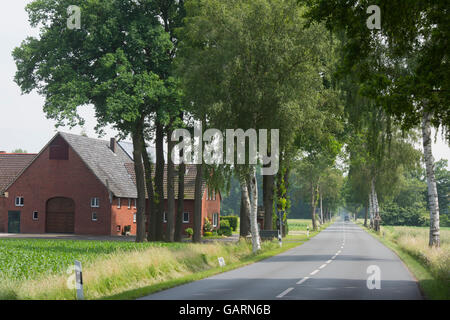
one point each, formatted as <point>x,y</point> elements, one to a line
<point>82,185</point>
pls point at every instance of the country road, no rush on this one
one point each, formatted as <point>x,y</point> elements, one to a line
<point>332,265</point>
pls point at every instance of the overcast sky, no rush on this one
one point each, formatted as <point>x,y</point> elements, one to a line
<point>22,122</point>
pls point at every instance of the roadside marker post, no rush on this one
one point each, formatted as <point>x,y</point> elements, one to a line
<point>280,226</point>
<point>221,261</point>
<point>79,280</point>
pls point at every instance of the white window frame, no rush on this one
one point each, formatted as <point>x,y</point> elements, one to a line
<point>134,217</point>
<point>95,202</point>
<point>92,216</point>
<point>189,217</point>
<point>165,217</point>
<point>21,201</point>
<point>134,206</point>
<point>215,217</point>
<point>214,195</point>
<point>118,203</point>
<point>129,203</point>
<point>37,215</point>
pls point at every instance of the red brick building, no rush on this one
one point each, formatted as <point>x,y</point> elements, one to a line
<point>81,185</point>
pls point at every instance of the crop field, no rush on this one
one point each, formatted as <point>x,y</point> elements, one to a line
<point>22,259</point>
<point>299,224</point>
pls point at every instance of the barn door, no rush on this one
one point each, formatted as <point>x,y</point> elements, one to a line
<point>60,215</point>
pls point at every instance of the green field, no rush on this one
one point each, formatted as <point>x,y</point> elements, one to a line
<point>29,259</point>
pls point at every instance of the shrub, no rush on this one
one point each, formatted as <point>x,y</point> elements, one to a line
<point>208,234</point>
<point>233,220</point>
<point>225,228</point>
<point>189,232</point>
<point>207,226</point>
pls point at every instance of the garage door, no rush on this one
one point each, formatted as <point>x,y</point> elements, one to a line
<point>60,216</point>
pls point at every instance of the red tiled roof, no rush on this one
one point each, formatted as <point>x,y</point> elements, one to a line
<point>11,164</point>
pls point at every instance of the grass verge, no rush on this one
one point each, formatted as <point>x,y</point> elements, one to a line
<point>429,266</point>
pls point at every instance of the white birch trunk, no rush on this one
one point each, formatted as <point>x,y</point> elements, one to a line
<point>371,208</point>
<point>434,239</point>
<point>321,208</point>
<point>256,242</point>
<point>376,208</point>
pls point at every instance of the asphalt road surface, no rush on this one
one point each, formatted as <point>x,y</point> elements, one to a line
<point>341,262</point>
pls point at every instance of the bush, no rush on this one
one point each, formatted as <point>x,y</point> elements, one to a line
<point>207,226</point>
<point>207,234</point>
<point>225,228</point>
<point>189,232</point>
<point>233,221</point>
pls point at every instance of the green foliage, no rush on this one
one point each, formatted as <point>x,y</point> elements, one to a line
<point>394,215</point>
<point>207,234</point>
<point>189,232</point>
<point>207,226</point>
<point>232,220</point>
<point>225,228</point>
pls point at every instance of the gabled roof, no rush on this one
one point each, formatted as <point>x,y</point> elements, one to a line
<point>189,180</point>
<point>109,167</point>
<point>11,164</point>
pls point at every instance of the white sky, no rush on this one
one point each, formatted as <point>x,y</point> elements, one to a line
<point>22,122</point>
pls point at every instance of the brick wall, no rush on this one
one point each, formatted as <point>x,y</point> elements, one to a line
<point>46,179</point>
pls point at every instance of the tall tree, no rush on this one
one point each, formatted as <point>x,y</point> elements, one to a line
<point>114,62</point>
<point>408,73</point>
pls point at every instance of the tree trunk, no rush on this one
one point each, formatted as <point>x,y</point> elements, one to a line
<point>151,227</point>
<point>370,209</point>
<point>365,216</point>
<point>197,237</point>
<point>159,181</point>
<point>376,209</point>
<point>256,241</point>
<point>268,181</point>
<point>434,239</point>
<point>170,231</point>
<point>321,208</point>
<point>180,203</point>
<point>313,208</point>
<point>244,224</point>
<point>137,137</point>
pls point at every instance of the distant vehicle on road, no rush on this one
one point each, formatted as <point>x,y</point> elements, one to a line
<point>346,218</point>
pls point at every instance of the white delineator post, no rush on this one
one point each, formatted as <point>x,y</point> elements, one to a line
<point>79,280</point>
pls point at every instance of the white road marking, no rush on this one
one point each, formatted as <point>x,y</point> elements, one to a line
<point>285,292</point>
<point>334,257</point>
<point>303,280</point>
<point>329,261</point>
<point>323,266</point>
<point>314,272</point>
<point>342,247</point>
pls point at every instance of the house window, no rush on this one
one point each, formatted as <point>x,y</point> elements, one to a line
<point>95,202</point>
<point>129,203</point>
<point>118,203</point>
<point>134,217</point>
<point>35,215</point>
<point>19,202</point>
<point>185,217</point>
<point>165,217</point>
<point>214,195</point>
<point>215,219</point>
<point>118,228</point>
<point>134,204</point>
<point>94,216</point>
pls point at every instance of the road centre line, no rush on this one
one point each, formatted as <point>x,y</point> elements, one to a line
<point>285,292</point>
<point>314,272</point>
<point>323,266</point>
<point>303,280</point>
